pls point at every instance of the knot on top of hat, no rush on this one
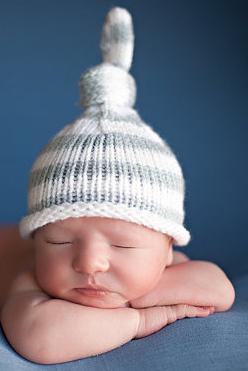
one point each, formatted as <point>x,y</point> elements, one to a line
<point>109,82</point>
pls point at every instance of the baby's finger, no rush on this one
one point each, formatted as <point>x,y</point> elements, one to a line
<point>193,311</point>
<point>180,311</point>
<point>202,311</point>
<point>211,309</point>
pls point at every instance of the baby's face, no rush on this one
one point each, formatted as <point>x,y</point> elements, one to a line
<point>125,258</point>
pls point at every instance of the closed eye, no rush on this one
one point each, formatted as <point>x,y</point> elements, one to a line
<point>126,247</point>
<point>64,243</point>
<point>58,243</point>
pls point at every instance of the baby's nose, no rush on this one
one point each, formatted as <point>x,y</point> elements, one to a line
<point>91,259</point>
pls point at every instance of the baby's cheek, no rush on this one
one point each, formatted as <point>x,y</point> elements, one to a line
<point>48,278</point>
<point>142,279</point>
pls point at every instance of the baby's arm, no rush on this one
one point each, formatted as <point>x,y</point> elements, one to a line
<point>198,283</point>
<point>47,330</point>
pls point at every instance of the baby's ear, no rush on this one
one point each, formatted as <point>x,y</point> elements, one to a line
<point>170,255</point>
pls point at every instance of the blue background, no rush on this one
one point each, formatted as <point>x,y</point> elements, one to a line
<point>190,65</point>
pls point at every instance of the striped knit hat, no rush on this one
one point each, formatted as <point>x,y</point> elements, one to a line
<point>108,162</point>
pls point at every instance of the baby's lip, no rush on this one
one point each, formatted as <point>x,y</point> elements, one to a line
<point>94,287</point>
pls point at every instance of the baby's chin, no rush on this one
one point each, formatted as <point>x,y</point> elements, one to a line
<point>107,305</point>
<point>104,303</point>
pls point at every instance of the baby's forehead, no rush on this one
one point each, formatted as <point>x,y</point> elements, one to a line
<point>104,225</point>
<point>101,223</point>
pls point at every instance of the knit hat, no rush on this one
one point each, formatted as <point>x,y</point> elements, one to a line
<point>108,162</point>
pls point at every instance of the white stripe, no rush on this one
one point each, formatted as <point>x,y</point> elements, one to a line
<point>180,234</point>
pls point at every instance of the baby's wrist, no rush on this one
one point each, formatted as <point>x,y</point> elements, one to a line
<point>138,319</point>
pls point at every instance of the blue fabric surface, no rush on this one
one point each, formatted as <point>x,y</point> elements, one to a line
<point>218,342</point>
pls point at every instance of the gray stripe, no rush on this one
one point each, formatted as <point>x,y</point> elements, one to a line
<point>117,32</point>
<point>131,202</point>
<point>69,142</point>
<point>101,169</point>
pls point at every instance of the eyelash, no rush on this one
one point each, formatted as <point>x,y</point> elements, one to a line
<point>125,247</point>
<point>58,243</point>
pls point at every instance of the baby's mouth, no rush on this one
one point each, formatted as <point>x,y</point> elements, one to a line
<point>92,292</point>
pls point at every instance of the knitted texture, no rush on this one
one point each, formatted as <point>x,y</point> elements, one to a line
<point>108,163</point>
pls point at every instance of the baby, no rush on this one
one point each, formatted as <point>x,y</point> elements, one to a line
<point>105,209</point>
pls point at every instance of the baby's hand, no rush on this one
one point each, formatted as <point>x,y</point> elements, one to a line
<point>197,283</point>
<point>154,318</point>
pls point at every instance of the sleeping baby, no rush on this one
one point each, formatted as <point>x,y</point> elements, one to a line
<point>105,207</point>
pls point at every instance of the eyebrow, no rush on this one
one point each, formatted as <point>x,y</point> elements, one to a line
<point>50,228</point>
